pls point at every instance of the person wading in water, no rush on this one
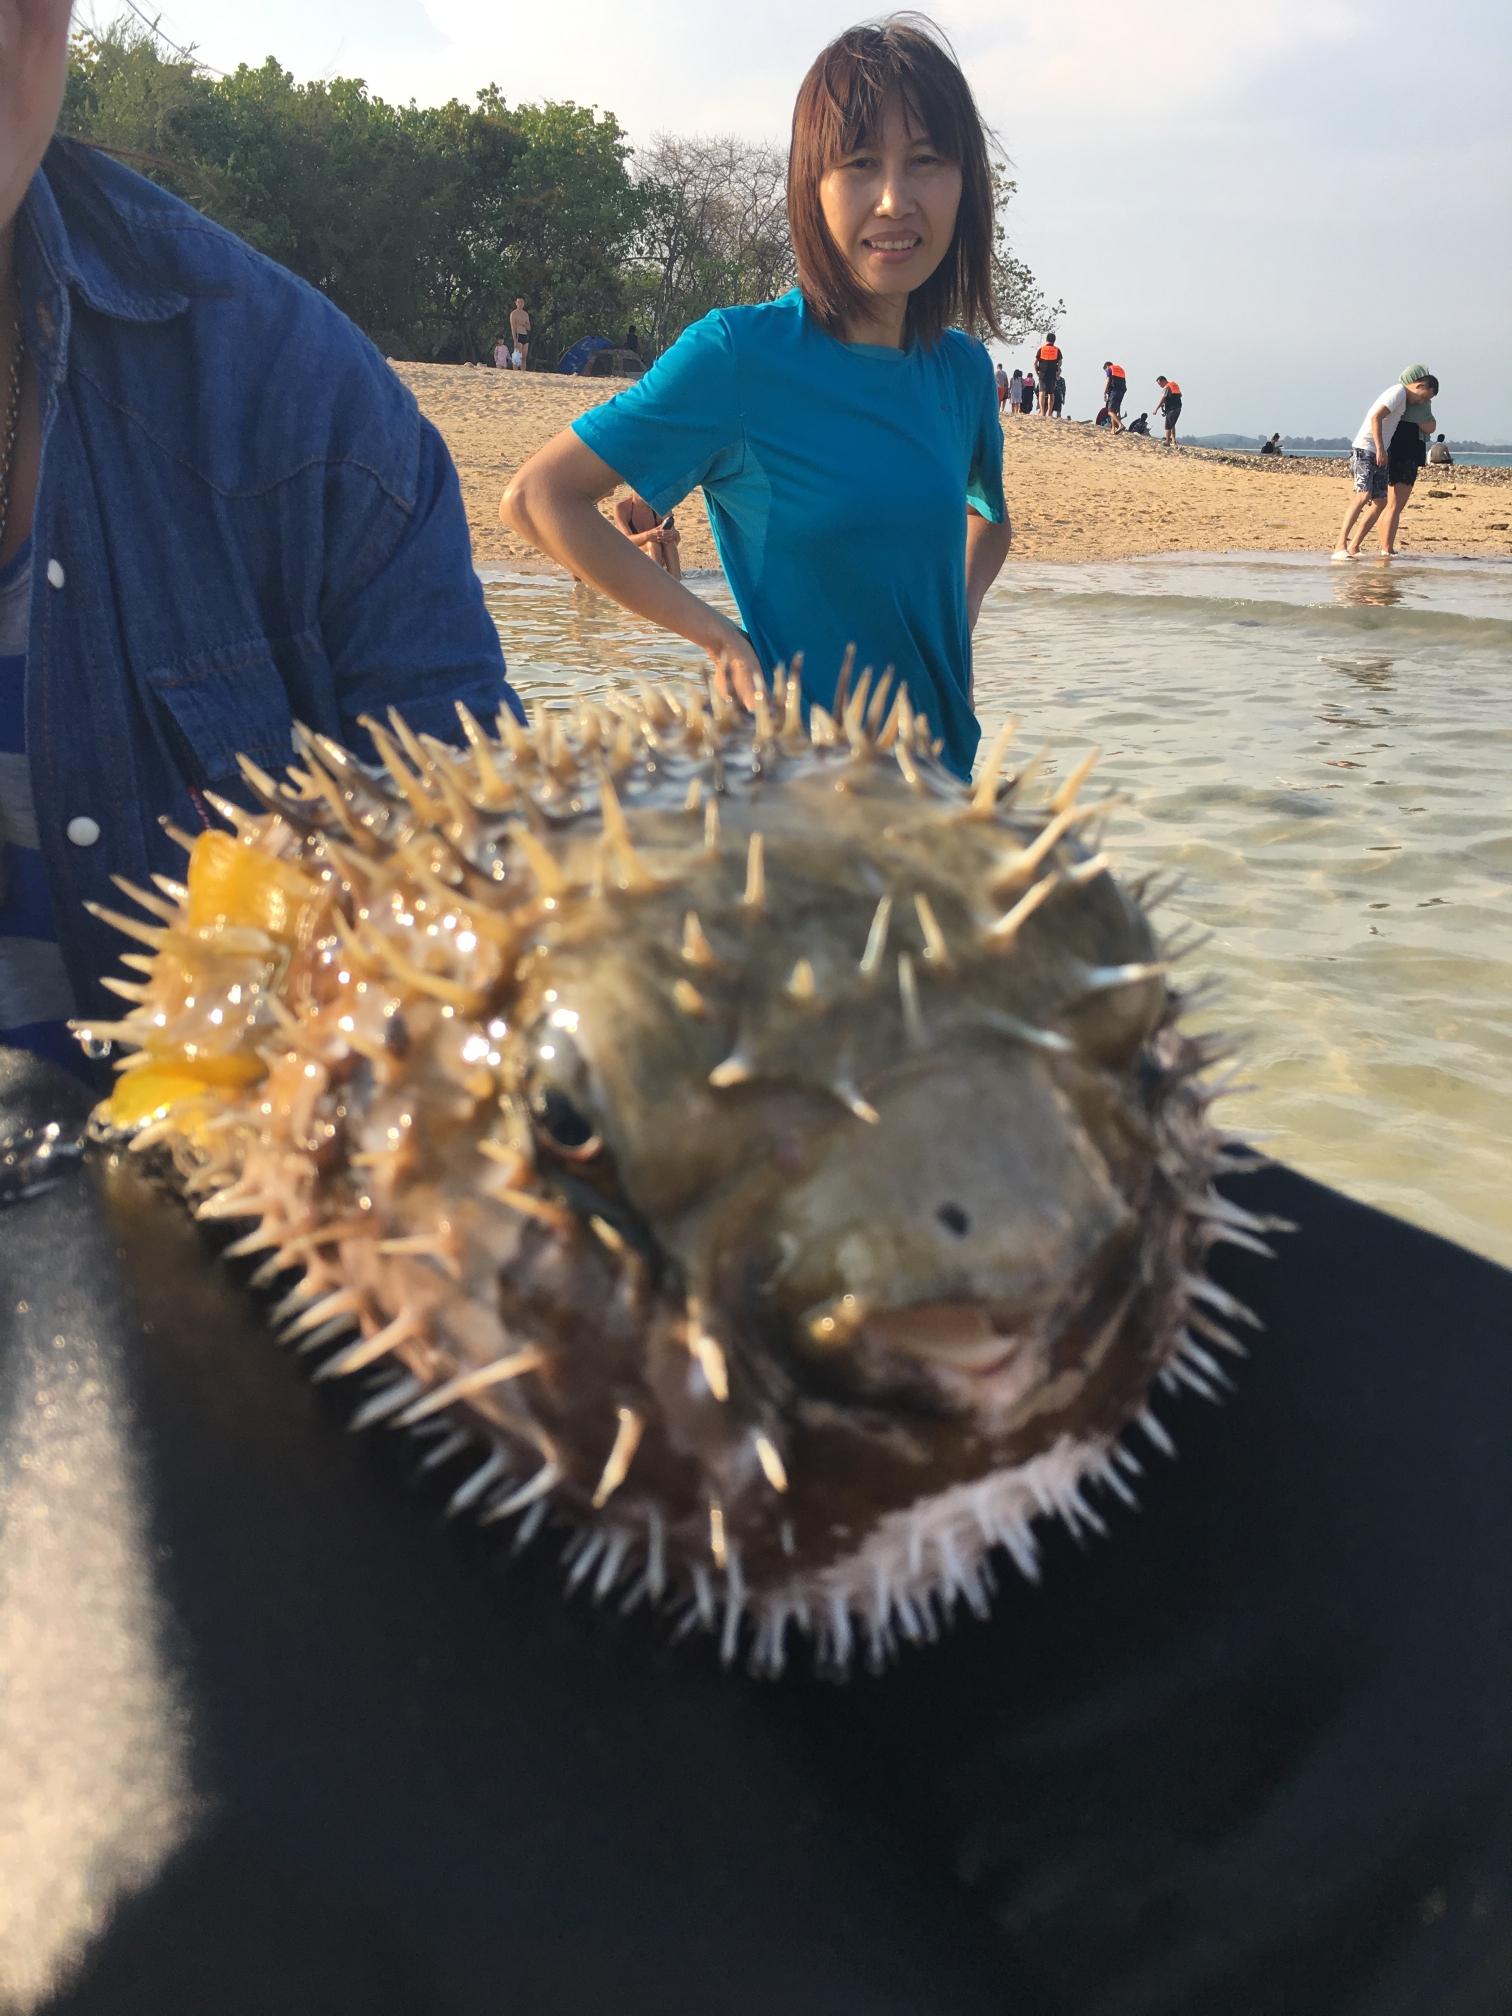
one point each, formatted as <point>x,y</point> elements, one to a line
<point>807,418</point>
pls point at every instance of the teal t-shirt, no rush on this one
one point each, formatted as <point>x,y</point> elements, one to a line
<point>837,477</point>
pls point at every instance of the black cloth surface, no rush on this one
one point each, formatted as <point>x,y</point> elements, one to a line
<point>1246,1756</point>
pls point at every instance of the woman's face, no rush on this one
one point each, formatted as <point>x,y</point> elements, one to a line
<point>891,206</point>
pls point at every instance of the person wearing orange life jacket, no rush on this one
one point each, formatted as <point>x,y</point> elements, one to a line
<point>1169,403</point>
<point>1116,385</point>
<point>1049,363</point>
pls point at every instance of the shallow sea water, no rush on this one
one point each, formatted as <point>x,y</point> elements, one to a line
<point>1326,755</point>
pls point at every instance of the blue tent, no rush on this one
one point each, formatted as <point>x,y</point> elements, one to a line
<point>581,351</point>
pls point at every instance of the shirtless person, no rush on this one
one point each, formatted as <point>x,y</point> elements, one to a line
<point>655,536</point>
<point>519,329</point>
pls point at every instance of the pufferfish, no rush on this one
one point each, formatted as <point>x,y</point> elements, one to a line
<point>758,1154</point>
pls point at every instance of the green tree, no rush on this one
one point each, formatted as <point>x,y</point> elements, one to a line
<point>421,223</point>
<point>573,221</point>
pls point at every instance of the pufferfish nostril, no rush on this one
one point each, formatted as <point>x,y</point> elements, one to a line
<point>954,1219</point>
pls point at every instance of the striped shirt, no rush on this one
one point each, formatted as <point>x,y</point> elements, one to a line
<point>35,997</point>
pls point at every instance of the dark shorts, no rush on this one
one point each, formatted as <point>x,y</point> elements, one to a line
<point>1369,477</point>
<point>1116,390</point>
<point>1172,412</point>
<point>1405,457</point>
<point>1047,384</point>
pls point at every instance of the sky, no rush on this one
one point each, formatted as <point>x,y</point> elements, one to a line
<point>1280,204</point>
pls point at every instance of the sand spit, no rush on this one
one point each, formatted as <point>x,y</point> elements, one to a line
<point>1075,492</point>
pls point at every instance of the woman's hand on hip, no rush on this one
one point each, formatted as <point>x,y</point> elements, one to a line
<point>986,549</point>
<point>553,502</point>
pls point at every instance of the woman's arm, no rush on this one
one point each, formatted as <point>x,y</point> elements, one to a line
<point>553,502</point>
<point>1377,415</point>
<point>986,550</point>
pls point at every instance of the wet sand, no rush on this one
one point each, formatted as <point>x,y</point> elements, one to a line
<point>1074,492</point>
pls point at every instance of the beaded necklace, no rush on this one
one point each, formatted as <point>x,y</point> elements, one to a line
<point>12,427</point>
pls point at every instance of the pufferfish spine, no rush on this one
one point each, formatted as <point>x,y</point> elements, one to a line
<point>755,1151</point>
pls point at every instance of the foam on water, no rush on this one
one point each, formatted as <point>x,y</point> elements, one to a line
<point>1325,754</point>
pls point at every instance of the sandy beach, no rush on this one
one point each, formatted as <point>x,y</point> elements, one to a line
<point>1075,492</point>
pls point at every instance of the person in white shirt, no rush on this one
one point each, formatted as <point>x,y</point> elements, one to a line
<point>1369,458</point>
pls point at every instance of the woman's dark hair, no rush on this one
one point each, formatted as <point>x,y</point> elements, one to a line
<point>841,105</point>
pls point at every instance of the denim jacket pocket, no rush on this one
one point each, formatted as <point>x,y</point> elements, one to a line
<point>226,703</point>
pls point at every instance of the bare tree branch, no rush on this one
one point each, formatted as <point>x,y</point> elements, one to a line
<point>715,231</point>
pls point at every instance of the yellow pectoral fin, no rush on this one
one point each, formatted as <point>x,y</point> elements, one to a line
<point>151,1094</point>
<point>232,883</point>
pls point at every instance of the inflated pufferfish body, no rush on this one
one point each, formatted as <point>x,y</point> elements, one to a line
<point>764,1154</point>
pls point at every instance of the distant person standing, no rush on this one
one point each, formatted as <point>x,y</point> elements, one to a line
<point>632,340</point>
<point>501,354</point>
<point>1439,454</point>
<point>1016,392</point>
<point>1031,392</point>
<point>1000,378</point>
<point>1059,400</point>
<point>1271,447</point>
<point>1370,457</point>
<point>1169,403</point>
<point>1115,385</point>
<point>519,329</point>
<point>1049,361</point>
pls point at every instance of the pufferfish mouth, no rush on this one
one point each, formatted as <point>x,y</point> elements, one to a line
<point>963,1337</point>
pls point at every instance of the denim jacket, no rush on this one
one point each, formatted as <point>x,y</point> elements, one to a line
<point>241,521</point>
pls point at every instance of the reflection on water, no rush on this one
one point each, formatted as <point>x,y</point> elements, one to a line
<point>1324,754</point>
<point>1368,585</point>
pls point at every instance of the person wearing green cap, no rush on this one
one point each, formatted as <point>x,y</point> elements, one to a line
<point>1407,454</point>
<point>1370,461</point>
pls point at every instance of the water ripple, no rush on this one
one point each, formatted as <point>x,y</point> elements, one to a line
<point>1329,773</point>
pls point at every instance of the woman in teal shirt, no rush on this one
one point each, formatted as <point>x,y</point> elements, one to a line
<point>846,437</point>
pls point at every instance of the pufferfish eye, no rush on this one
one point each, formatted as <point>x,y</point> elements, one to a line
<point>559,1094</point>
<point>563,1124</point>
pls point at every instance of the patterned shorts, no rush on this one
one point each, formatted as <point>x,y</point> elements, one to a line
<point>1369,476</point>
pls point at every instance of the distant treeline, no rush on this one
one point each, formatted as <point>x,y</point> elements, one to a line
<point>424,222</point>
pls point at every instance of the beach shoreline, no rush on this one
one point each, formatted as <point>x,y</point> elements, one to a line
<point>1075,492</point>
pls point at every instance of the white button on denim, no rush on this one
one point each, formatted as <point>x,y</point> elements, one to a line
<point>55,575</point>
<point>83,831</point>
